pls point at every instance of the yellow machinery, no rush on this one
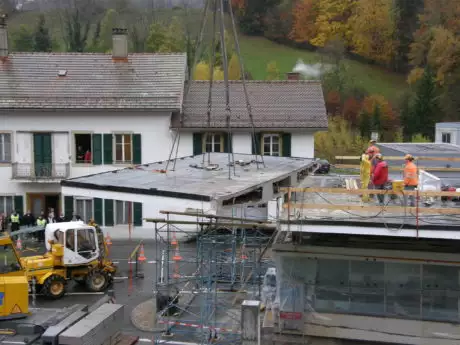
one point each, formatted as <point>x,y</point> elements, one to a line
<point>75,251</point>
<point>14,287</point>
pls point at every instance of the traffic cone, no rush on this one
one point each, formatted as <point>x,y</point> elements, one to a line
<point>174,240</point>
<point>108,240</point>
<point>177,256</point>
<point>19,244</point>
<point>141,256</point>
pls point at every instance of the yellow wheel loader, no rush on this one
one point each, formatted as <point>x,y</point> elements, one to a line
<point>75,251</point>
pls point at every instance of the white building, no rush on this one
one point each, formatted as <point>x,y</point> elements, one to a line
<point>122,109</point>
<point>448,133</point>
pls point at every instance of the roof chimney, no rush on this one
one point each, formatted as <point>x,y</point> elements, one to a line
<point>293,76</point>
<point>120,44</point>
<point>3,38</point>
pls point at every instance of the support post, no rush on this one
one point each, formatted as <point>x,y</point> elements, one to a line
<point>250,323</point>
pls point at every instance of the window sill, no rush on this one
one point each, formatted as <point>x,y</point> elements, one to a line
<point>5,164</point>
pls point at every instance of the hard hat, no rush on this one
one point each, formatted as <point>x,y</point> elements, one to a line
<point>408,157</point>
<point>372,141</point>
<point>379,156</point>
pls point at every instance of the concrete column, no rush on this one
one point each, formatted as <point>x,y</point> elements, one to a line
<point>250,323</point>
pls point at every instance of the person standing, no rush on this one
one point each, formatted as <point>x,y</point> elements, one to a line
<point>50,218</point>
<point>15,221</point>
<point>380,177</point>
<point>410,178</point>
<point>28,219</point>
<point>41,223</point>
<point>365,174</point>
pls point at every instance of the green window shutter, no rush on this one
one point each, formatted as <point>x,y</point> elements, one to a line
<point>137,149</point>
<point>197,144</point>
<point>256,148</point>
<point>108,152</point>
<point>108,212</point>
<point>19,204</point>
<point>286,144</point>
<point>226,149</point>
<point>68,207</point>
<point>97,149</point>
<point>137,213</point>
<point>98,209</point>
<point>47,149</point>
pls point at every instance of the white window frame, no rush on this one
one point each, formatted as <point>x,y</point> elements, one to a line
<point>5,208</point>
<point>123,161</point>
<point>449,136</point>
<point>211,139</point>
<point>271,152</point>
<point>125,212</point>
<point>83,216</point>
<point>3,152</point>
<point>74,147</point>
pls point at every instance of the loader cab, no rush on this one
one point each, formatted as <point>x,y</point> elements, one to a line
<point>80,242</point>
<point>9,260</point>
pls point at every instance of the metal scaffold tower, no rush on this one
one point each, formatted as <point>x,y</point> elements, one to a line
<point>203,283</point>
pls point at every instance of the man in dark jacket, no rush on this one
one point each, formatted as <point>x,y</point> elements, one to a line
<point>380,176</point>
<point>28,219</point>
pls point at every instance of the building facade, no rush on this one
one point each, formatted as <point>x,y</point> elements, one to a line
<point>65,115</point>
<point>448,133</point>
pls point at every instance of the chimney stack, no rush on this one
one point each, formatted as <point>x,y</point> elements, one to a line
<point>3,37</point>
<point>120,44</point>
<point>293,76</point>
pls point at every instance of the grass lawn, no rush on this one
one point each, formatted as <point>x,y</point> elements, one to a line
<point>258,52</point>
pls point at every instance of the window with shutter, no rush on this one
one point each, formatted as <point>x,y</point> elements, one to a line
<point>19,204</point>
<point>68,207</point>
<point>197,144</point>
<point>97,149</point>
<point>286,144</point>
<point>137,149</point>
<point>108,148</point>
<point>123,148</point>
<point>98,210</point>
<point>108,212</point>
<point>137,214</point>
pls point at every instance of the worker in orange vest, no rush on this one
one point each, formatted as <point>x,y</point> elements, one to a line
<point>410,178</point>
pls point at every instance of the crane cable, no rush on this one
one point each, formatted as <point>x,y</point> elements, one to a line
<point>211,80</point>
<point>243,79</point>
<point>198,45</point>
<point>231,158</point>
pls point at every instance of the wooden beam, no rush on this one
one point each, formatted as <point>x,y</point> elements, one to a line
<point>369,191</point>
<point>215,225</point>
<point>357,167</point>
<point>399,209</point>
<point>401,158</point>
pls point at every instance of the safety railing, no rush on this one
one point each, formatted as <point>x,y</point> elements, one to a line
<point>40,171</point>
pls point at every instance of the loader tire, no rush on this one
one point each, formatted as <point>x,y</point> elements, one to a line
<point>53,287</point>
<point>97,281</point>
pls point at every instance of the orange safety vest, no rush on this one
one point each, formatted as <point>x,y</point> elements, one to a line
<point>410,174</point>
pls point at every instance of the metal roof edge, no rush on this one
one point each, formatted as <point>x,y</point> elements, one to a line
<point>129,190</point>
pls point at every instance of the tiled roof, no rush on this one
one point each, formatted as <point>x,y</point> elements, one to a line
<point>275,104</point>
<point>93,81</point>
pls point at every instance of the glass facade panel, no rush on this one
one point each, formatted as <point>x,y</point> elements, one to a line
<point>332,285</point>
<point>367,282</point>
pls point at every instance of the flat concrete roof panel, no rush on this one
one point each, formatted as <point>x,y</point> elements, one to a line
<point>189,176</point>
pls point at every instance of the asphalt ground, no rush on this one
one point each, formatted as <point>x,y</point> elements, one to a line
<point>133,292</point>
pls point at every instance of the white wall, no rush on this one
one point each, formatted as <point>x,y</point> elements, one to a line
<point>151,207</point>
<point>454,134</point>
<point>303,145</point>
<point>154,129</point>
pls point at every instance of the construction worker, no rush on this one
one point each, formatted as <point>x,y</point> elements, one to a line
<point>372,150</point>
<point>92,222</point>
<point>41,222</point>
<point>380,176</point>
<point>15,221</point>
<point>365,174</point>
<point>410,178</point>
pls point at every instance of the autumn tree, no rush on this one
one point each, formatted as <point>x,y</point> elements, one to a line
<point>234,68</point>
<point>251,14</point>
<point>351,110</point>
<point>377,111</point>
<point>339,140</point>
<point>304,28</point>
<point>202,71</point>
<point>42,39</point>
<point>373,30</point>
<point>273,72</point>
<point>332,21</point>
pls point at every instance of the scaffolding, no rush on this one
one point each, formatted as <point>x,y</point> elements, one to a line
<point>199,286</point>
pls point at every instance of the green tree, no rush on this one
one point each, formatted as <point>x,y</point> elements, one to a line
<point>23,39</point>
<point>426,110</point>
<point>93,47</point>
<point>420,138</point>
<point>42,39</point>
<point>405,116</point>
<point>365,124</point>
<point>107,24</point>
<point>273,72</point>
<point>76,29</point>
<point>376,118</point>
